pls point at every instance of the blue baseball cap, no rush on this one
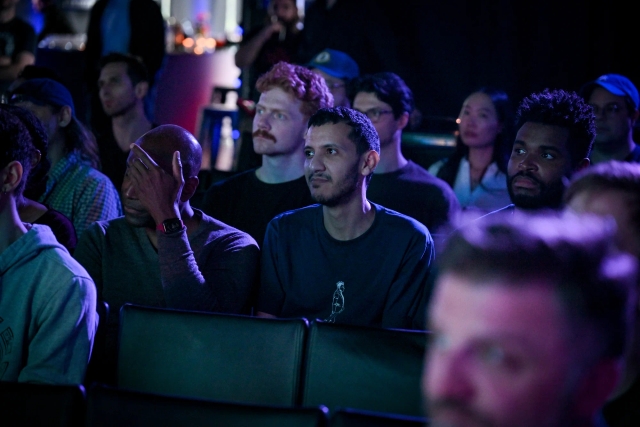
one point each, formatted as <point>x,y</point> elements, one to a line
<point>43,91</point>
<point>335,63</point>
<point>616,84</point>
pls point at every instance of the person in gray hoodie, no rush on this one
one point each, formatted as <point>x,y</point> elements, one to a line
<point>47,300</point>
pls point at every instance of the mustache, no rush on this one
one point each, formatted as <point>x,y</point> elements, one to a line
<point>318,175</point>
<point>526,174</point>
<point>264,134</point>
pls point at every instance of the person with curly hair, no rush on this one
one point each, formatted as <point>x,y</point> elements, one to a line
<point>290,95</point>
<point>555,133</point>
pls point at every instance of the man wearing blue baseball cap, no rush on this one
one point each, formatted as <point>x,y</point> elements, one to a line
<point>614,99</point>
<point>75,186</point>
<point>337,69</point>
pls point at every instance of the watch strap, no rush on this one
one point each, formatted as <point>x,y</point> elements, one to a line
<point>170,225</point>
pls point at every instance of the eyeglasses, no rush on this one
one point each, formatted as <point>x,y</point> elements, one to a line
<point>375,113</point>
<point>335,85</point>
<point>611,109</point>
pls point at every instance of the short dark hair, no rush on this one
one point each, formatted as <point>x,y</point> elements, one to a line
<point>362,133</point>
<point>37,181</point>
<point>610,176</point>
<point>389,88</point>
<point>136,70</point>
<point>572,254</point>
<point>16,146</point>
<point>561,108</point>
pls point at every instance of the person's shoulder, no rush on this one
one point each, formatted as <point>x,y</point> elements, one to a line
<point>297,218</point>
<point>420,176</point>
<point>393,220</point>
<point>240,179</point>
<point>218,230</point>
<point>102,229</point>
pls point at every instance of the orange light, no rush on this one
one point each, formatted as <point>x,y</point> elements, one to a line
<point>211,43</point>
<point>458,120</point>
<point>188,42</point>
<point>198,50</point>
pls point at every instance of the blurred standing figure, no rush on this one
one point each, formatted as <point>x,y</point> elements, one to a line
<point>17,44</point>
<point>277,40</point>
<point>126,26</point>
<point>477,169</point>
<point>55,22</point>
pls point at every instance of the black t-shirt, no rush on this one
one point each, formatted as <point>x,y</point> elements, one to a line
<point>414,192</point>
<point>248,204</point>
<point>113,160</point>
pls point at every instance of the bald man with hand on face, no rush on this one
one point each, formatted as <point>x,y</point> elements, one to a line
<point>163,252</point>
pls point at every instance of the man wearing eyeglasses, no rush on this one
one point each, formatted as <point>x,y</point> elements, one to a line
<point>398,183</point>
<point>614,99</point>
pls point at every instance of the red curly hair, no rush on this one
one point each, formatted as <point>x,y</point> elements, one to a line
<point>299,81</point>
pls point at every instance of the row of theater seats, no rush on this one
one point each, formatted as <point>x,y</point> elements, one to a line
<point>39,405</point>
<point>224,367</point>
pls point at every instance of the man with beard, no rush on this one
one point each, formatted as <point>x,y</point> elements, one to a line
<point>123,85</point>
<point>344,260</point>
<point>614,99</point>
<point>555,132</point>
<point>529,325</point>
<point>290,94</point>
<point>163,252</point>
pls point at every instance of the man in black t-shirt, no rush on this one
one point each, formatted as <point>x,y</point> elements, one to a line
<point>123,85</point>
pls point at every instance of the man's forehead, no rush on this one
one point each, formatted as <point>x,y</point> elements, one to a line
<point>543,135</point>
<point>114,68</point>
<point>494,303</point>
<point>602,95</point>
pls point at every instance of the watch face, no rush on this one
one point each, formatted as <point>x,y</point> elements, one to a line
<point>172,225</point>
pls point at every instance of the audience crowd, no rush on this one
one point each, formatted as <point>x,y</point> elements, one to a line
<point>517,254</point>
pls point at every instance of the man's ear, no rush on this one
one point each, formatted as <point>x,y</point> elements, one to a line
<point>584,163</point>
<point>64,116</point>
<point>597,387</point>
<point>403,121</point>
<point>141,89</point>
<point>189,188</point>
<point>370,161</point>
<point>11,176</point>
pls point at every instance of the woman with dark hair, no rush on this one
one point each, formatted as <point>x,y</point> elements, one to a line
<point>477,168</point>
<point>29,210</point>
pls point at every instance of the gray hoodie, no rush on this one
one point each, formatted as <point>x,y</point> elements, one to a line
<point>47,311</point>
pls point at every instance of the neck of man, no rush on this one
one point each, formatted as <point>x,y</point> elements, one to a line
<point>391,157</point>
<point>350,219</point>
<point>617,152</point>
<point>281,168</point>
<point>188,218</point>
<point>11,227</point>
<point>130,126</point>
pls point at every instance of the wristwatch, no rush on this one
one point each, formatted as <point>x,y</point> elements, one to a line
<point>170,225</point>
